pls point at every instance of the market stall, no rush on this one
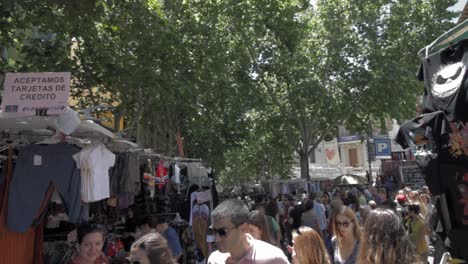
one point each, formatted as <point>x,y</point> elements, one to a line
<point>438,136</point>
<point>58,172</point>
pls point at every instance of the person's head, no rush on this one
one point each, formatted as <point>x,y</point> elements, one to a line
<point>364,211</point>
<point>308,247</point>
<point>229,224</point>
<point>130,213</point>
<point>413,196</point>
<point>313,196</point>
<point>90,241</point>
<point>425,190</point>
<point>385,240</point>
<point>161,224</point>
<point>424,198</point>
<point>152,248</point>
<point>149,224</point>
<point>336,204</point>
<point>325,198</point>
<point>401,199</point>
<point>271,208</point>
<point>407,190</point>
<point>257,226</point>
<point>260,207</point>
<point>372,205</point>
<point>345,223</point>
<point>309,205</point>
<point>414,209</point>
<point>343,194</point>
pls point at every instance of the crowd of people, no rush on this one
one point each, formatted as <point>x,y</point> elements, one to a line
<point>342,227</point>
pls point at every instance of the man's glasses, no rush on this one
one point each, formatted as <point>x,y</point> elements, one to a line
<point>223,231</point>
<point>343,224</point>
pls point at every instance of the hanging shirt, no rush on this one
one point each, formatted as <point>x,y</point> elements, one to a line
<point>428,138</point>
<point>94,163</point>
<point>162,176</point>
<point>176,174</point>
<point>445,80</point>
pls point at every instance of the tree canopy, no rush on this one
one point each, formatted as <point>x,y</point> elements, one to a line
<point>247,83</point>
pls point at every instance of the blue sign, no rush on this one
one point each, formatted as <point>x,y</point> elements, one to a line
<point>383,148</point>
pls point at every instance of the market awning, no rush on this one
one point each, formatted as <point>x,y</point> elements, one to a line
<point>349,180</point>
<point>86,128</point>
<point>453,36</point>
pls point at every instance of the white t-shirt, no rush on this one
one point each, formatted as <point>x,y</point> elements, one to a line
<point>94,163</point>
<point>259,253</point>
<point>176,174</point>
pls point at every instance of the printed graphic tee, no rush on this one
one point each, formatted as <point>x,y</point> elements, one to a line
<point>445,80</point>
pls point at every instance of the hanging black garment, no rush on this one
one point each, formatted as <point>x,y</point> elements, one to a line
<point>445,78</point>
<point>428,138</point>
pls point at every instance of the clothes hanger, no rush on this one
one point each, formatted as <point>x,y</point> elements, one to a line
<point>56,138</point>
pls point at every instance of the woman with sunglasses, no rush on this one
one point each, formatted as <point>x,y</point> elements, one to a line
<point>347,237</point>
<point>308,247</point>
<point>152,248</point>
<point>90,242</point>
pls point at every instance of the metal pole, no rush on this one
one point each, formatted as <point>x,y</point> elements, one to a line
<point>369,160</point>
<point>369,157</point>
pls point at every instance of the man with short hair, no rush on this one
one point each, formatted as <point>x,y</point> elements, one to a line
<point>234,244</point>
<point>170,235</point>
<point>319,211</point>
<point>149,225</point>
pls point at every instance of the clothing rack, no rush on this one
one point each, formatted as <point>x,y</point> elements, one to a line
<point>187,160</point>
<point>22,135</point>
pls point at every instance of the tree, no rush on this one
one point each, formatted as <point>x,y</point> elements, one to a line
<point>335,63</point>
<point>245,82</point>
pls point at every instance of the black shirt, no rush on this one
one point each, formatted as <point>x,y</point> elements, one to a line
<point>445,79</point>
<point>428,137</point>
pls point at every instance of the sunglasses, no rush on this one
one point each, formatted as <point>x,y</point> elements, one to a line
<point>223,231</point>
<point>132,261</point>
<point>343,224</point>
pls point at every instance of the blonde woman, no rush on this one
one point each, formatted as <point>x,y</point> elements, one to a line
<point>152,248</point>
<point>308,247</point>
<point>422,205</point>
<point>385,240</point>
<point>347,237</point>
<point>418,229</point>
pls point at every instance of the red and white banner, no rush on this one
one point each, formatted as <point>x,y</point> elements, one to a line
<point>331,152</point>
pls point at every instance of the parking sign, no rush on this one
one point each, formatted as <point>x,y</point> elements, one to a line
<point>383,148</point>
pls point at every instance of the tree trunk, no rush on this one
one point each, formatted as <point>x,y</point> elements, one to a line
<point>304,151</point>
<point>304,156</point>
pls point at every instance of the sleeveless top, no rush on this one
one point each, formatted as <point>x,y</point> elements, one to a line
<point>336,257</point>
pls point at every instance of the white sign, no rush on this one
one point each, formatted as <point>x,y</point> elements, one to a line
<point>36,93</point>
<point>204,196</point>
